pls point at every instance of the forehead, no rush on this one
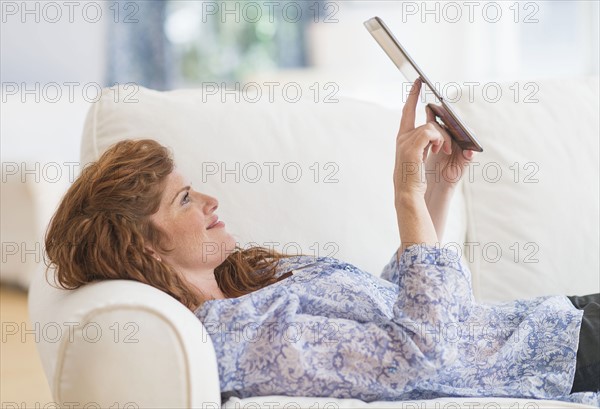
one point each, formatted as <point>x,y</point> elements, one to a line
<point>175,178</point>
<point>175,182</point>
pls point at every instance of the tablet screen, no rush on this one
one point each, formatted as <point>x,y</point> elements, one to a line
<point>411,71</point>
<point>397,54</point>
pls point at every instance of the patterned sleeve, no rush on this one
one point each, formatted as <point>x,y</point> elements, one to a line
<point>435,294</point>
<point>390,271</point>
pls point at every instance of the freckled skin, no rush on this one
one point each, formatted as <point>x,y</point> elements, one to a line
<point>184,215</point>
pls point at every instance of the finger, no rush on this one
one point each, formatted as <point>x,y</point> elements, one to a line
<point>407,123</point>
<point>468,154</point>
<point>428,136</point>
<point>427,147</point>
<point>430,114</point>
<point>447,139</point>
<point>437,144</point>
<point>462,157</point>
<point>431,117</point>
<point>445,142</point>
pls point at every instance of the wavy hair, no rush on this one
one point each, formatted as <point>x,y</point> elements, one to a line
<point>102,228</point>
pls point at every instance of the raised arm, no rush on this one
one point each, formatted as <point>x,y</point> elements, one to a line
<point>424,179</point>
<point>412,144</point>
<point>443,171</point>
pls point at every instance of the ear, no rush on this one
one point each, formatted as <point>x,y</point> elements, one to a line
<point>153,253</point>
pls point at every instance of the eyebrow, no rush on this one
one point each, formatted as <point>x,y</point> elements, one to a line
<point>178,192</point>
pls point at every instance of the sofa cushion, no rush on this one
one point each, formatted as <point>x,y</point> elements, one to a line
<point>533,200</point>
<point>302,177</point>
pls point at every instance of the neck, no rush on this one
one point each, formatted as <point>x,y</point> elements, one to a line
<point>206,283</point>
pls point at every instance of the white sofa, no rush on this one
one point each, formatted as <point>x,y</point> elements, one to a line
<point>127,343</point>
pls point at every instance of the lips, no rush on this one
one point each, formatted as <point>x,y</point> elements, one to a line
<point>214,221</point>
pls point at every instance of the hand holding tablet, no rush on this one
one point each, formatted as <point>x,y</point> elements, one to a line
<point>456,128</point>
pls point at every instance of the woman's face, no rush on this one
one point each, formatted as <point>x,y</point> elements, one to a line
<point>184,216</point>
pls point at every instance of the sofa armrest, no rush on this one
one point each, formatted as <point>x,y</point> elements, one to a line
<point>122,343</point>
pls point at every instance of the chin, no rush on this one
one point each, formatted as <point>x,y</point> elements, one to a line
<point>227,243</point>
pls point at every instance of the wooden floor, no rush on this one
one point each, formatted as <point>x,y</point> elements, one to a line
<point>22,379</point>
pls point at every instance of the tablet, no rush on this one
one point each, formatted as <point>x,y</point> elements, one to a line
<point>463,136</point>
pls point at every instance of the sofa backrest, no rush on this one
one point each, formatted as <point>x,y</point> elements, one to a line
<point>306,177</point>
<point>532,204</point>
<point>317,177</point>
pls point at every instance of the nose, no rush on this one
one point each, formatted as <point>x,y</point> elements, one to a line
<point>210,204</point>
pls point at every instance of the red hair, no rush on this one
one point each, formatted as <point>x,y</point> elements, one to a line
<point>102,228</point>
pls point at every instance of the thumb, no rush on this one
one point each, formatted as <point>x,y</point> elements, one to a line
<point>463,158</point>
<point>468,154</point>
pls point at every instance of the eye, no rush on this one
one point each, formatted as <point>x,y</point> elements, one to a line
<point>186,198</point>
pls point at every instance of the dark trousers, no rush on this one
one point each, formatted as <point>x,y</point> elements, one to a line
<point>587,372</point>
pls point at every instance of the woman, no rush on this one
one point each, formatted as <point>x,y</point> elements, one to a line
<point>306,326</point>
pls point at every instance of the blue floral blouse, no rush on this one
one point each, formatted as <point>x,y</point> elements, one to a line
<point>333,330</point>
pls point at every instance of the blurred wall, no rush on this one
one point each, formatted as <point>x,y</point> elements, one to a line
<point>42,45</point>
<point>35,49</point>
<point>50,57</point>
<point>459,42</point>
